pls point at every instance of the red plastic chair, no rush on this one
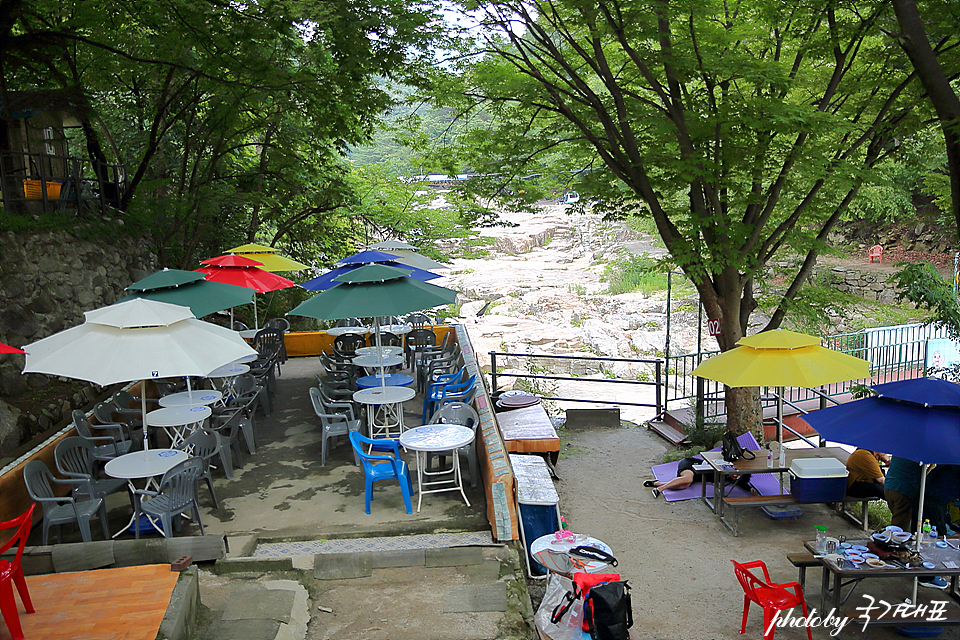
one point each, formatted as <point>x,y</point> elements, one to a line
<point>876,251</point>
<point>13,571</point>
<point>769,595</point>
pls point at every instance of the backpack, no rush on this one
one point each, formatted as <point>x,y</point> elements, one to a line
<point>731,449</point>
<point>608,611</point>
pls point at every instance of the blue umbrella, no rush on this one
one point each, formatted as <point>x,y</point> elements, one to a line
<point>934,392</point>
<point>923,433</point>
<point>328,280</point>
<point>370,256</point>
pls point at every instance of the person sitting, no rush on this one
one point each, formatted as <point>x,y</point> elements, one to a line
<point>865,477</point>
<point>687,474</point>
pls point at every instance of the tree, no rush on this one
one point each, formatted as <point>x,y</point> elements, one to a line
<point>232,119</point>
<point>924,58</point>
<point>744,130</point>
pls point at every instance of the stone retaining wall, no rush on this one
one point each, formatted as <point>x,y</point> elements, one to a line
<point>871,286</point>
<point>47,281</point>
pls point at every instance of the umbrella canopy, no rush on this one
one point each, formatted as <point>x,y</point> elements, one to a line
<point>268,257</point>
<point>779,339</point>
<point>5,348</point>
<point>329,279</point>
<point>933,392</point>
<point>136,340</point>
<point>243,272</point>
<point>374,290</point>
<point>190,289</point>
<point>809,366</point>
<point>393,245</point>
<point>912,431</point>
<point>403,256</point>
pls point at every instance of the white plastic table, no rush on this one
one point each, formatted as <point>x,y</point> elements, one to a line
<point>371,361</point>
<point>339,331</point>
<point>590,566</point>
<point>230,370</point>
<point>386,351</point>
<point>192,398</point>
<point>384,409</point>
<point>150,464</point>
<point>248,334</point>
<point>176,420</point>
<point>437,438</point>
<point>250,357</point>
<point>396,329</point>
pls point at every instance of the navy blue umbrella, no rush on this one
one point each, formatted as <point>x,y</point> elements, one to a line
<point>328,280</point>
<point>933,392</point>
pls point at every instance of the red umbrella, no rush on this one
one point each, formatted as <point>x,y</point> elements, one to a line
<point>243,272</point>
<point>5,348</point>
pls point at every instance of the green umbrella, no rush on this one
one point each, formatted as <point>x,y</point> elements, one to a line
<point>374,290</point>
<point>189,289</point>
<point>371,291</point>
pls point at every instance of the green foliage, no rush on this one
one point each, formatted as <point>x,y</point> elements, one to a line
<point>879,514</point>
<point>859,391</point>
<point>635,273</point>
<point>577,289</point>
<point>922,284</point>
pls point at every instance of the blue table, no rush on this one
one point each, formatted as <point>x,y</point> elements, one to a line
<point>389,380</point>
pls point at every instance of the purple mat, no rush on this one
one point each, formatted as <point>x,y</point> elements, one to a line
<point>766,484</point>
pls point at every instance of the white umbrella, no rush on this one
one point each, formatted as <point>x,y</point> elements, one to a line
<point>138,339</point>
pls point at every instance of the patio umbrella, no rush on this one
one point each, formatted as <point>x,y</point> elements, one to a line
<point>371,291</point>
<point>243,272</point>
<point>899,422</point>
<point>781,358</point>
<point>407,254</point>
<point>5,348</point>
<point>190,289</point>
<point>268,258</point>
<point>136,340</point>
<point>329,279</point>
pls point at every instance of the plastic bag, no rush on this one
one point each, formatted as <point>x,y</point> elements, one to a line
<point>560,615</point>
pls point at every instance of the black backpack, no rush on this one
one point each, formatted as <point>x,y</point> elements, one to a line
<point>608,611</point>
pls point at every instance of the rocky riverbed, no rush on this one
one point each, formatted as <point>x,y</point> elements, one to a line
<point>540,291</point>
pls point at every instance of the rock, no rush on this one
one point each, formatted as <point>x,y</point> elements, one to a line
<point>10,435</point>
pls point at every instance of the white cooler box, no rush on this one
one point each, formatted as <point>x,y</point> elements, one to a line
<point>818,480</point>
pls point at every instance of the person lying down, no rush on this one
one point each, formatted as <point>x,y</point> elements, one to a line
<point>687,474</point>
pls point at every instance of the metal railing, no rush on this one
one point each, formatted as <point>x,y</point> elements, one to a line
<point>655,364</point>
<point>58,183</point>
<point>894,353</point>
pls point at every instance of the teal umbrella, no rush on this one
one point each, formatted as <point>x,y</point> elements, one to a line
<point>372,291</point>
<point>190,289</point>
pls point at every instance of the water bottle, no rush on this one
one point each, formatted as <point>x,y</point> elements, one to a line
<point>933,532</point>
<point>783,456</point>
<point>926,526</point>
<point>821,538</point>
<point>769,458</point>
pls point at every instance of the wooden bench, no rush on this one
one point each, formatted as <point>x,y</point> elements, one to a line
<point>736,503</point>
<point>802,561</point>
<point>950,615</point>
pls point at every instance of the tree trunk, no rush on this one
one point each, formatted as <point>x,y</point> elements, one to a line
<point>743,411</point>
<point>916,45</point>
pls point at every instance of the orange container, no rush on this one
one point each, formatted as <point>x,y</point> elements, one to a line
<point>33,189</point>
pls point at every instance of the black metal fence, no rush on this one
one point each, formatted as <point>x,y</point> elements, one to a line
<point>37,183</point>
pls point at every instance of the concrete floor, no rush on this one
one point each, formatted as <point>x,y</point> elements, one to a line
<point>283,492</point>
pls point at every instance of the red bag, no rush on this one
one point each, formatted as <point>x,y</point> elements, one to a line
<point>583,582</point>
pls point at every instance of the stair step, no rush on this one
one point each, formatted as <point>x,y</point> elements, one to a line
<point>667,432</point>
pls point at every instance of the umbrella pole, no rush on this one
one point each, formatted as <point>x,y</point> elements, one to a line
<point>379,343</point>
<point>919,532</point>
<point>143,409</point>
<point>779,393</point>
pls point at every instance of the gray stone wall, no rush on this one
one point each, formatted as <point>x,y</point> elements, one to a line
<point>47,281</point>
<point>872,286</point>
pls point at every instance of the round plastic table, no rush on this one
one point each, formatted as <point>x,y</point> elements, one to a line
<point>384,409</point>
<point>176,420</point>
<point>389,380</point>
<point>372,362</point>
<point>229,370</point>
<point>437,438</point>
<point>339,331</point>
<point>387,351</point>
<point>150,464</point>
<point>193,398</point>
<point>590,566</point>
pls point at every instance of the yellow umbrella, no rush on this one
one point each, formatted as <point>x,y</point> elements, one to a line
<point>782,358</point>
<point>268,257</point>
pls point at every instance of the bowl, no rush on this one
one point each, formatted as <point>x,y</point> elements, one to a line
<point>894,528</point>
<point>929,565</point>
<point>876,563</point>
<point>883,536</point>
<point>855,558</point>
<point>901,536</point>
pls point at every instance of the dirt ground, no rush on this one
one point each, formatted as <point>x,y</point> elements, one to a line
<point>677,555</point>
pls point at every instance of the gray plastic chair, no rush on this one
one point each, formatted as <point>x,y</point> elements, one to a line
<point>62,510</point>
<point>463,414</point>
<point>177,493</point>
<point>104,447</point>
<point>75,460</point>
<point>336,419</point>
<point>228,426</point>
<point>205,445</point>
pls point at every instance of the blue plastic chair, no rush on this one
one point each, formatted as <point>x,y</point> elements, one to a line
<point>438,392</point>
<point>382,467</point>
